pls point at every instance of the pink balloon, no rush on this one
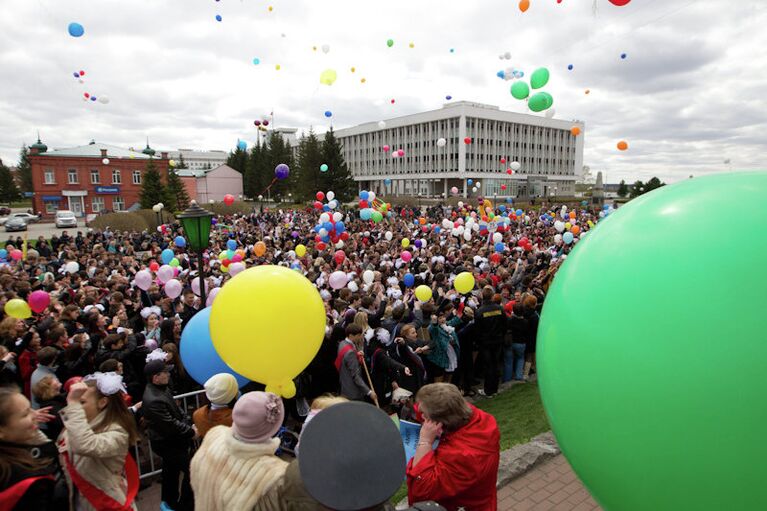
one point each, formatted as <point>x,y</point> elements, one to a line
<point>165,273</point>
<point>196,286</point>
<point>406,256</point>
<point>16,254</point>
<point>151,344</point>
<point>237,258</point>
<point>338,279</point>
<point>386,148</point>
<point>173,289</point>
<point>236,268</point>
<point>212,295</point>
<point>143,279</point>
<point>38,301</point>
<point>401,152</point>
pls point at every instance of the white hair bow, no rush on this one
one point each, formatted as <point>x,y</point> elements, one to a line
<point>108,383</point>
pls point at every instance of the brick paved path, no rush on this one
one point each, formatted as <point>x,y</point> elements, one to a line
<point>551,486</point>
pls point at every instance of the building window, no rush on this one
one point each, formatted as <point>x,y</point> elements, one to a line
<point>72,176</point>
<point>118,204</point>
<point>97,204</point>
<point>49,177</point>
<point>95,179</point>
<point>136,177</point>
<point>116,177</point>
<point>51,207</point>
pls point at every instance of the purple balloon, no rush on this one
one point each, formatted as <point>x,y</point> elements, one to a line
<point>281,171</point>
<point>417,243</point>
<point>294,234</point>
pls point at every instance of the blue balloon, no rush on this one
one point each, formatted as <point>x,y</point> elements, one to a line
<point>179,241</point>
<point>166,255</point>
<point>438,229</point>
<point>387,182</point>
<point>570,67</point>
<point>218,17</point>
<point>448,98</point>
<point>76,74</point>
<point>509,200</point>
<point>242,145</point>
<point>93,98</point>
<point>231,245</point>
<point>325,207</point>
<point>500,74</point>
<point>499,247</point>
<point>199,356</point>
<point>502,207</point>
<point>328,113</point>
<point>366,214</point>
<point>364,195</point>
<point>3,253</point>
<point>340,227</point>
<point>519,212</point>
<point>328,226</point>
<point>567,237</point>
<point>75,29</point>
<point>623,55</point>
<point>409,280</point>
<point>326,239</point>
<point>606,207</point>
<point>470,182</point>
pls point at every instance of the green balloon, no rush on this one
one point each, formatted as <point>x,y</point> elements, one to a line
<point>324,167</point>
<point>539,78</point>
<point>377,216</point>
<point>656,395</point>
<point>390,43</point>
<point>540,101</point>
<point>520,90</point>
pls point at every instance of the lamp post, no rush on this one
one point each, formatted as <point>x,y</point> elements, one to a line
<point>196,223</point>
<point>157,208</point>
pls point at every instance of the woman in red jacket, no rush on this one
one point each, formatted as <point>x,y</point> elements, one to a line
<point>461,471</point>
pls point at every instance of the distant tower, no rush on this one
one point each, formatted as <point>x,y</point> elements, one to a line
<point>598,194</point>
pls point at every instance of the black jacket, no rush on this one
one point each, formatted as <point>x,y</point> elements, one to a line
<point>490,325</point>
<point>165,420</point>
<point>519,328</point>
<point>49,493</point>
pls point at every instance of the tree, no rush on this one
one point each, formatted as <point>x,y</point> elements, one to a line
<point>25,170</point>
<point>256,177</point>
<point>279,151</point>
<point>623,190</point>
<point>340,179</point>
<point>237,160</point>
<point>152,189</point>
<point>652,184</point>
<point>637,189</point>
<point>9,192</point>
<point>181,164</point>
<point>308,167</point>
<point>177,194</point>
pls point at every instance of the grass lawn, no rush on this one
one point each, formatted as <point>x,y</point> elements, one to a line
<point>520,416</point>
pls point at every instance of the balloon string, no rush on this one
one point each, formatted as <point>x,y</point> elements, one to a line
<point>269,187</point>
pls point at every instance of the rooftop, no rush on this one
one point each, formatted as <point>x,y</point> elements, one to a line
<point>94,150</point>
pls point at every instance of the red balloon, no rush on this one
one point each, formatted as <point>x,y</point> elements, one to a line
<point>619,3</point>
<point>496,258</point>
<point>363,204</point>
<point>226,263</point>
<point>228,199</point>
<point>425,228</point>
<point>344,236</point>
<point>509,171</point>
<point>503,187</point>
<point>318,238</point>
<point>154,266</point>
<point>317,205</point>
<point>467,140</point>
<point>339,256</point>
<point>503,160</point>
<point>320,196</point>
<point>82,73</point>
<point>86,95</point>
<point>321,246</point>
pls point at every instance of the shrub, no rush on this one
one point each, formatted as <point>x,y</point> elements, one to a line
<point>125,222</point>
<point>220,208</point>
<point>150,217</point>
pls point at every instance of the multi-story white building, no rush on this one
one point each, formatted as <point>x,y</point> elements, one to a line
<point>200,160</point>
<point>551,157</point>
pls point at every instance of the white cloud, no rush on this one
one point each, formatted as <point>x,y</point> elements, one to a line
<point>688,95</point>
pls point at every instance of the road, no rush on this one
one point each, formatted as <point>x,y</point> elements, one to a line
<point>46,229</point>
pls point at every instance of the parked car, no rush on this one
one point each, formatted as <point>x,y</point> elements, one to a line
<point>28,217</point>
<point>16,223</point>
<point>65,218</point>
<point>5,211</point>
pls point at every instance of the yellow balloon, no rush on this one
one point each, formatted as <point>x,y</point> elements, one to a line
<point>300,251</point>
<point>18,308</point>
<point>277,67</point>
<point>353,69</point>
<point>568,225</point>
<point>412,45</point>
<point>249,331</point>
<point>405,243</point>
<point>222,255</point>
<point>423,293</point>
<point>463,283</point>
<point>363,80</point>
<point>328,77</point>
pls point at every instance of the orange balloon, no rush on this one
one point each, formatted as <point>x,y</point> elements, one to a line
<point>572,214</point>
<point>524,5</point>
<point>623,145</point>
<point>422,221</point>
<point>575,230</point>
<point>260,248</point>
<point>588,91</point>
<point>575,131</point>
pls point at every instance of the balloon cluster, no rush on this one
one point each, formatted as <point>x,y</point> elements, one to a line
<point>330,205</point>
<point>331,229</point>
<point>262,123</point>
<point>537,102</point>
<point>372,208</point>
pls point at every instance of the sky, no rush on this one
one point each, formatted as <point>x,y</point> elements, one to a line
<point>688,96</point>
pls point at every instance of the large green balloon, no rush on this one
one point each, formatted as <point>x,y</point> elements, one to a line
<point>653,348</point>
<point>520,90</point>
<point>540,101</point>
<point>539,78</point>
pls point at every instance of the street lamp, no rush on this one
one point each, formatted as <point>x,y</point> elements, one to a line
<point>157,208</point>
<point>196,223</point>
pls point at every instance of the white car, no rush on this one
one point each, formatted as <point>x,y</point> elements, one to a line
<point>28,217</point>
<point>65,219</point>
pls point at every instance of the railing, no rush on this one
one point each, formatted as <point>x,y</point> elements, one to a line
<point>146,446</point>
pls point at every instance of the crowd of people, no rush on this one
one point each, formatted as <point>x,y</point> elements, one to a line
<point>99,366</point>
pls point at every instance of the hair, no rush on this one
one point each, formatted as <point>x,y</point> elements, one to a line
<point>113,339</point>
<point>170,347</point>
<point>166,330</point>
<point>46,356</point>
<point>530,301</point>
<point>487,293</point>
<point>116,412</point>
<point>8,328</point>
<point>444,403</point>
<point>428,309</point>
<point>398,312</point>
<point>361,319</point>
<point>14,456</point>
<point>56,333</point>
<point>353,329</point>
<point>367,301</point>
<point>518,309</point>
<point>407,327</point>
<point>43,390</point>
<point>109,365</point>
<point>326,401</point>
<point>69,309</point>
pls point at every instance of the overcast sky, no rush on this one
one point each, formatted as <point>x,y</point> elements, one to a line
<point>689,95</point>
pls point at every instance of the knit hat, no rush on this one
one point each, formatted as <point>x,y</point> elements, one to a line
<point>221,389</point>
<point>257,417</point>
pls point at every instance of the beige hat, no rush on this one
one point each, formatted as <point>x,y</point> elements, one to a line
<point>221,389</point>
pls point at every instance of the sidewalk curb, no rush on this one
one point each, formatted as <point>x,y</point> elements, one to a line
<point>518,460</point>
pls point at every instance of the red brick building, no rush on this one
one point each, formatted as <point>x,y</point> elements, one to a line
<point>89,179</point>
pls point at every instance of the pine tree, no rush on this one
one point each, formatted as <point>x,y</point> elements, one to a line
<point>279,151</point>
<point>152,189</point>
<point>623,190</point>
<point>9,192</point>
<point>637,189</point>
<point>254,179</point>
<point>181,164</point>
<point>177,194</point>
<point>339,177</point>
<point>311,180</point>
<point>25,170</point>
<point>237,160</point>
<point>652,184</point>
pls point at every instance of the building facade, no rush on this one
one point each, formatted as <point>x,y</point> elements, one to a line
<point>207,186</point>
<point>551,157</point>
<point>199,160</point>
<point>89,179</point>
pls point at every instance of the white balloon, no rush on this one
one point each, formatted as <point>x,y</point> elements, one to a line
<point>475,227</point>
<point>72,267</point>
<point>447,224</point>
<point>388,235</point>
<point>103,100</point>
<point>557,239</point>
<point>478,184</point>
<point>340,244</point>
<point>467,235</point>
<point>353,287</point>
<point>371,196</point>
<point>507,55</point>
<point>333,204</point>
<point>460,229</point>
<point>105,161</point>
<point>423,244</point>
<point>381,124</point>
<point>323,232</point>
<point>550,113</point>
<point>559,226</point>
<point>330,195</point>
<point>368,276</point>
<point>395,154</point>
<point>497,237</point>
<point>325,217</point>
<point>515,166</point>
<point>441,142</point>
<point>338,216</point>
<point>325,48</point>
<point>454,231</point>
<point>474,189</point>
